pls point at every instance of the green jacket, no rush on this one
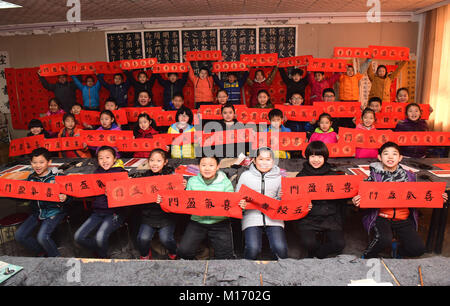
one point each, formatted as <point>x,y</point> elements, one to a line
<point>221,183</point>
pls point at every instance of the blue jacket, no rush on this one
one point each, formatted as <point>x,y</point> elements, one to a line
<point>233,89</point>
<point>118,92</point>
<point>91,98</point>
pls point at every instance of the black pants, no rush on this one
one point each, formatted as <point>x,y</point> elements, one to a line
<point>334,243</point>
<point>411,245</point>
<point>219,235</point>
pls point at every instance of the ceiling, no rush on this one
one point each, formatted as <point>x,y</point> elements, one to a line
<point>49,11</point>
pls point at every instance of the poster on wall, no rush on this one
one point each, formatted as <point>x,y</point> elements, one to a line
<point>4,101</point>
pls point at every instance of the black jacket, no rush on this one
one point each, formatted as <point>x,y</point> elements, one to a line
<point>65,93</point>
<point>138,86</point>
<point>170,89</point>
<point>292,86</point>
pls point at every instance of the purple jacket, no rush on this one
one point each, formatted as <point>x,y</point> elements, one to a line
<point>413,126</point>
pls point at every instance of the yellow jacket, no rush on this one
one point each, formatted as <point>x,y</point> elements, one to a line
<point>349,87</point>
<point>382,87</point>
<point>183,151</point>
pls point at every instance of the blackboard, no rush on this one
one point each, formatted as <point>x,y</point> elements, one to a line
<point>199,40</point>
<point>277,40</point>
<point>124,46</point>
<point>234,42</point>
<point>164,45</point>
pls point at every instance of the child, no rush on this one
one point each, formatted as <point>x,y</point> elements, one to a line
<point>172,86</point>
<point>153,218</point>
<point>90,92</point>
<point>328,95</point>
<point>54,107</point>
<point>324,132</point>
<point>413,123</point>
<point>144,99</point>
<point>298,126</point>
<point>203,86</point>
<point>367,123</point>
<point>37,128</point>
<point>177,102</point>
<point>184,118</point>
<point>349,85</point>
<point>259,83</point>
<point>381,80</point>
<point>263,99</point>
<point>295,84</point>
<point>402,95</point>
<point>143,83</point>
<point>118,90</point>
<point>232,86</point>
<point>71,130</point>
<point>76,109</point>
<point>318,83</point>
<point>217,229</point>
<point>230,123</point>
<point>64,91</point>
<point>264,177</point>
<point>48,214</point>
<point>145,128</point>
<point>222,97</point>
<point>276,119</point>
<point>385,220</point>
<point>108,121</point>
<point>103,220</point>
<point>111,104</point>
<point>375,104</point>
<point>326,216</point>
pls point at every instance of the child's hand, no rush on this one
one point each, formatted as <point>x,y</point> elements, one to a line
<point>39,72</point>
<point>158,199</point>
<point>309,206</point>
<point>62,197</point>
<point>85,145</point>
<point>445,197</point>
<point>356,200</point>
<point>184,183</point>
<point>313,121</point>
<point>243,203</point>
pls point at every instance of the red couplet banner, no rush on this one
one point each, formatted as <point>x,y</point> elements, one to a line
<point>93,117</point>
<point>338,109</point>
<point>26,145</point>
<point>141,190</point>
<point>172,67</point>
<point>142,144</point>
<point>321,187</point>
<point>285,141</point>
<point>105,138</point>
<point>87,185</point>
<point>352,52</point>
<point>203,56</point>
<point>257,60</point>
<point>294,61</point>
<point>202,203</point>
<point>254,115</point>
<point>229,66</point>
<point>401,194</point>
<point>299,113</point>
<point>133,113</point>
<point>29,190</point>
<point>138,63</point>
<point>399,108</point>
<point>390,53</point>
<point>327,65</point>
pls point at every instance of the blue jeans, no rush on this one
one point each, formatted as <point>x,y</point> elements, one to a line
<point>106,224</point>
<point>253,241</point>
<point>145,236</point>
<point>43,242</point>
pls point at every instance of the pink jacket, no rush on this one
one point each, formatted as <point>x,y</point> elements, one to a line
<point>329,137</point>
<point>362,152</point>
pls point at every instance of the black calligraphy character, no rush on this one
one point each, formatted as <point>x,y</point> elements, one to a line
<point>312,187</point>
<point>101,137</point>
<point>374,194</point>
<point>67,186</point>
<point>209,203</point>
<point>173,201</point>
<point>34,191</point>
<point>392,195</point>
<point>298,210</point>
<point>330,187</point>
<point>294,188</point>
<point>101,184</point>
<point>265,206</point>
<point>226,205</point>
<point>428,196</point>
<point>347,187</point>
<point>170,186</point>
<point>154,189</point>
<point>191,203</point>
<point>21,190</point>
<point>84,185</point>
<point>135,191</point>
<point>282,210</point>
<point>410,196</point>
<point>49,193</point>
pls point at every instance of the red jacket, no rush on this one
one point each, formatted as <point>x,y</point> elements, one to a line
<point>144,134</point>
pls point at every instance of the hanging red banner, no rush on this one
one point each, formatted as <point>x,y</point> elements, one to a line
<point>192,56</point>
<point>172,67</point>
<point>321,187</point>
<point>352,52</point>
<point>299,113</point>
<point>229,66</point>
<point>82,69</point>
<point>401,194</point>
<point>258,60</point>
<point>99,138</point>
<point>138,63</point>
<point>141,190</point>
<point>339,109</point>
<point>327,65</point>
<point>26,145</point>
<point>55,69</point>
<point>87,185</point>
<point>29,190</point>
<point>294,61</point>
<point>390,53</point>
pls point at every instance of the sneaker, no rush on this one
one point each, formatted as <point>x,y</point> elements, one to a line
<point>172,256</point>
<point>148,257</point>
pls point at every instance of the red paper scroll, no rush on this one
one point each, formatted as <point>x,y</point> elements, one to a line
<point>26,145</point>
<point>192,56</point>
<point>87,185</point>
<point>299,113</point>
<point>133,113</point>
<point>227,137</point>
<point>52,144</point>
<point>258,60</point>
<point>285,141</point>
<point>53,123</point>
<point>340,149</point>
<point>294,61</point>
<point>172,67</point>
<point>105,138</point>
<point>70,143</point>
<point>327,65</point>
<point>138,63</point>
<point>253,115</point>
<point>202,203</point>
<point>142,144</point>
<point>29,190</point>
<point>274,209</point>
<point>352,52</point>
<point>82,68</point>
<point>339,109</point>
<point>399,108</point>
<point>401,194</point>
<point>229,66</point>
<point>55,69</point>
<point>321,187</point>
<point>90,117</point>
<point>369,139</point>
<point>165,118</point>
<point>421,138</point>
<point>141,190</point>
<point>211,112</point>
<point>390,53</point>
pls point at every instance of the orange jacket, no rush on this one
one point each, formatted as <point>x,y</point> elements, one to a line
<point>349,87</point>
<point>382,87</point>
<point>203,88</point>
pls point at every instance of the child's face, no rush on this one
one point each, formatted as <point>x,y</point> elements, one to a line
<point>111,106</point>
<point>264,162</point>
<point>177,102</point>
<point>106,159</point>
<point>259,76</point>
<point>318,77</point>
<point>413,113</point>
<point>40,165</point>
<point>296,77</point>
<point>376,106</point>
<point>69,123</point>
<point>390,158</point>
<point>222,98</point>
<point>328,97</point>
<point>228,114</point>
<point>325,124</point>
<point>183,118</point>
<point>296,99</point>
<point>144,124</point>
<point>53,107</point>
<point>144,99</point>
<point>231,78</point>
<point>350,71</point>
<point>90,82</point>
<point>208,168</point>
<point>368,119</point>
<point>263,98</point>
<point>117,80</point>
<point>36,130</point>
<point>276,122</point>
<point>106,121</point>
<point>316,161</point>
<point>76,110</point>
<point>172,78</point>
<point>381,72</point>
<point>402,96</point>
<point>62,79</point>
<point>156,162</point>
<point>142,78</point>
<point>203,74</point>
